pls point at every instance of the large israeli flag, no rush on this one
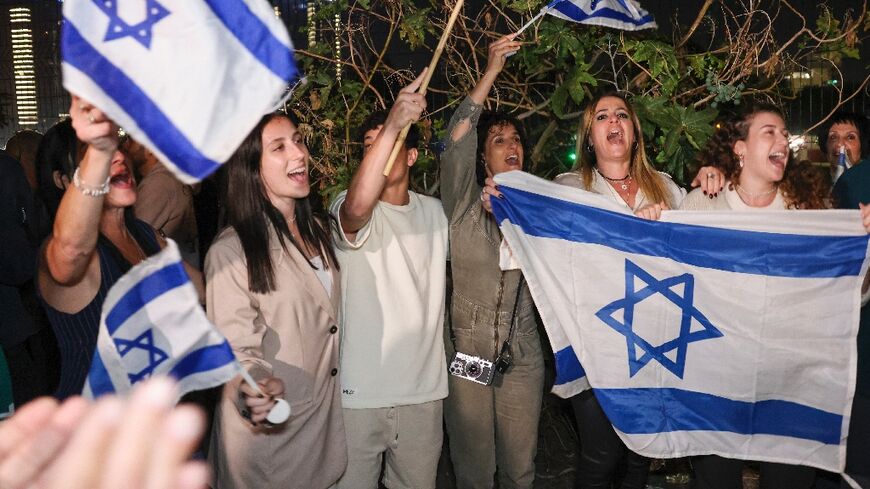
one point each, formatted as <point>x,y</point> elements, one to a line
<point>618,14</point>
<point>709,332</point>
<point>187,78</point>
<point>152,324</point>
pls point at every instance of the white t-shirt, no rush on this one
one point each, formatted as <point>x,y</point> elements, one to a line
<point>393,279</point>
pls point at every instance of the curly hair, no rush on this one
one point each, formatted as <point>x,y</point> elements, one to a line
<point>803,186</point>
<point>493,119</point>
<point>641,170</point>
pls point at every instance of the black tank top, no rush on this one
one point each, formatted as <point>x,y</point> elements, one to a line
<point>77,333</point>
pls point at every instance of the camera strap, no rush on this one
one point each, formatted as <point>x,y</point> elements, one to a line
<point>506,346</point>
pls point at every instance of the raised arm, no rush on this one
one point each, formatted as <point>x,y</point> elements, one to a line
<point>498,53</point>
<point>76,226</point>
<point>369,182</point>
<point>459,188</point>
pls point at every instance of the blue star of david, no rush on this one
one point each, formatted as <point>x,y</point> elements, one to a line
<point>666,288</point>
<point>118,28</point>
<point>144,341</point>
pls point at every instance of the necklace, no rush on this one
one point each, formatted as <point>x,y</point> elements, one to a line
<point>624,182</point>
<point>755,196</point>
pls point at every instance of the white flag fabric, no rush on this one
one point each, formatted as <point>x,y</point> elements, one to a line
<point>152,324</point>
<point>618,14</point>
<point>722,333</point>
<point>188,79</point>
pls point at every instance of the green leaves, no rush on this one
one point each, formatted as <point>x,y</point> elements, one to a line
<point>413,27</point>
<point>659,59</point>
<point>678,132</point>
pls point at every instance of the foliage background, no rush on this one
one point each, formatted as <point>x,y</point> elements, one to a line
<point>679,83</point>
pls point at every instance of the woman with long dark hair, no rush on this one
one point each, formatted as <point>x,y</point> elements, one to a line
<point>272,287</point>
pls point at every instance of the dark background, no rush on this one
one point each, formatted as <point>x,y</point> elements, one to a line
<point>814,100</point>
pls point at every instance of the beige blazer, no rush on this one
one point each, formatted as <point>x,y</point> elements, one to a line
<point>291,333</point>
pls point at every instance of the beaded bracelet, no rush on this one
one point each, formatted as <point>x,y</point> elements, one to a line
<point>88,190</point>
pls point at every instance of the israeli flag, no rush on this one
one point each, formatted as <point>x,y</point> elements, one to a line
<point>721,333</point>
<point>188,79</point>
<point>152,324</point>
<point>618,14</point>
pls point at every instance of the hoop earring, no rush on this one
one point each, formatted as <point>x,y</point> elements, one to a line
<point>634,146</point>
<point>589,148</point>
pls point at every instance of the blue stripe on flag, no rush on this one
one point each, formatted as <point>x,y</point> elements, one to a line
<point>202,360</point>
<point>255,36</point>
<point>568,368</point>
<point>124,92</point>
<point>650,411</point>
<point>578,15</point>
<point>98,377</point>
<point>783,255</point>
<point>152,286</point>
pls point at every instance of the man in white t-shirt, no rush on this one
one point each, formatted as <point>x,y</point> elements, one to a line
<point>392,248</point>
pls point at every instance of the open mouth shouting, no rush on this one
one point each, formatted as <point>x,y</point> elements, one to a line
<point>513,160</point>
<point>778,159</point>
<point>615,136</point>
<point>122,179</point>
<point>298,174</point>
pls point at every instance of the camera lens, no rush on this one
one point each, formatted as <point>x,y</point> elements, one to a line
<point>473,369</point>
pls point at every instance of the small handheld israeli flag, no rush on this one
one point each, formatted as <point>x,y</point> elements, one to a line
<point>625,15</point>
<point>152,324</point>
<point>188,79</point>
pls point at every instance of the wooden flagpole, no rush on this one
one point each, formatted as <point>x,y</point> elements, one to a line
<point>400,141</point>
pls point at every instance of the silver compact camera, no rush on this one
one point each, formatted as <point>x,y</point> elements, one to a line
<point>473,368</point>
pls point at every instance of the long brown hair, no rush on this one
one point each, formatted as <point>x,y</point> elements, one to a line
<point>250,213</point>
<point>803,186</point>
<point>640,169</point>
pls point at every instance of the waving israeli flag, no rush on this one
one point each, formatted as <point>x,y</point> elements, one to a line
<point>618,14</point>
<point>710,332</point>
<point>152,324</point>
<point>188,79</point>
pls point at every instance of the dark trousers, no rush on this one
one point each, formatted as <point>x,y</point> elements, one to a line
<point>601,450</point>
<point>858,446</point>
<point>715,472</point>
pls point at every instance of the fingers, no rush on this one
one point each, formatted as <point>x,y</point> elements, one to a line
<point>193,475</point>
<point>415,85</point>
<point>135,440</point>
<point>652,212</point>
<point>92,125</point>
<point>25,463</point>
<point>26,421</point>
<point>180,433</point>
<point>490,190</point>
<point>93,437</point>
<point>273,386</point>
<point>710,179</point>
<point>249,391</point>
<point>865,216</point>
<point>500,50</point>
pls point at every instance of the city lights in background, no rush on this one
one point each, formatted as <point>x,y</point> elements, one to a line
<point>22,66</point>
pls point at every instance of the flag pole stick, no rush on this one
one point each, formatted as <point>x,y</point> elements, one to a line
<point>250,381</point>
<point>400,141</point>
<point>531,21</point>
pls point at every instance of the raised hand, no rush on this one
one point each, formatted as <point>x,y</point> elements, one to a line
<point>409,105</point>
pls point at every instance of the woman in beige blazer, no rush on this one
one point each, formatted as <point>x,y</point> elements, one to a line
<point>272,287</point>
